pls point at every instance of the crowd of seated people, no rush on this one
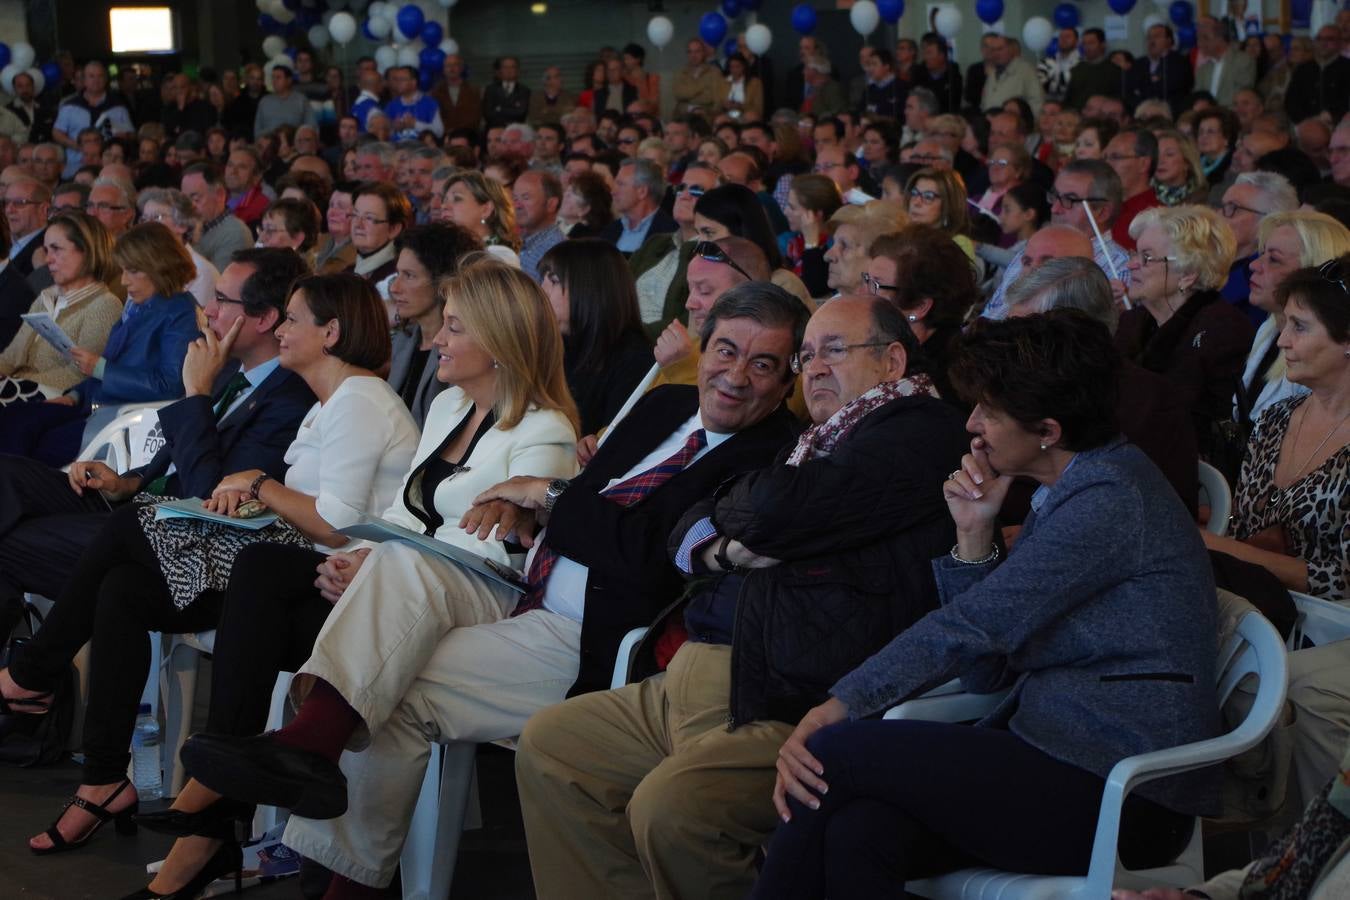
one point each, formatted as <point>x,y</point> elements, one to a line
<point>841,389</point>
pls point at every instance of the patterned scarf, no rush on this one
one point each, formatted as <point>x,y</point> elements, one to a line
<point>1170,195</point>
<point>820,440</point>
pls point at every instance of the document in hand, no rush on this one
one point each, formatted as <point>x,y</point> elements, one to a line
<point>191,508</point>
<point>378,530</point>
<point>50,332</point>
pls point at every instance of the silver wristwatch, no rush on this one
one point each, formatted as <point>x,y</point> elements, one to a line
<point>553,492</point>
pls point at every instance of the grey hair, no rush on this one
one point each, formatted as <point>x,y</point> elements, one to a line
<point>128,192</point>
<point>819,64</point>
<point>927,99</point>
<point>429,153</point>
<point>1069,282</point>
<point>184,213</point>
<point>383,149</point>
<point>647,174</point>
<point>766,303</point>
<point>525,131</point>
<point>1278,193</point>
<point>444,172</point>
<point>1105,181</point>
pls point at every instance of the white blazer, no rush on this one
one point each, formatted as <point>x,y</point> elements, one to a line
<point>543,444</point>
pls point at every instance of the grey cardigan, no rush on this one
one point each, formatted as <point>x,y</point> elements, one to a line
<point>406,340</point>
<point>1102,620</point>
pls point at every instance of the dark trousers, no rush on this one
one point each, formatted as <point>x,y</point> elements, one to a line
<point>44,527</point>
<point>115,596</point>
<point>910,799</point>
<point>272,615</point>
<point>48,432</point>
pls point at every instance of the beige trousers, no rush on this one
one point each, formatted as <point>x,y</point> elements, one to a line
<point>433,660</point>
<point>642,792</point>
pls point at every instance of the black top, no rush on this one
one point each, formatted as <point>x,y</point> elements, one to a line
<point>601,392</point>
<point>437,469</point>
<point>408,390</point>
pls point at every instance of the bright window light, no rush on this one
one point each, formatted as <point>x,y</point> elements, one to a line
<point>141,29</point>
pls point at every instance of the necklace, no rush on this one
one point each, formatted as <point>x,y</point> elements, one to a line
<point>1298,433</point>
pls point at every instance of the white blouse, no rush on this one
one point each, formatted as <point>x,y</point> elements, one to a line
<point>351,452</point>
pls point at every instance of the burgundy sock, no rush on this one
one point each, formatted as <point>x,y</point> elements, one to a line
<point>323,723</point>
<point>341,888</point>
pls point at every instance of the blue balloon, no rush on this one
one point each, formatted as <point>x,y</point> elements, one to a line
<point>989,11</point>
<point>803,18</point>
<point>1185,36</point>
<point>1066,15</point>
<point>292,52</point>
<point>365,31</point>
<point>1181,12</point>
<point>1120,7</point>
<point>730,47</point>
<point>426,78</point>
<point>432,33</point>
<point>891,10</point>
<point>410,20</point>
<point>731,8</point>
<point>268,25</point>
<point>4,55</point>
<point>51,70</point>
<point>1052,48</point>
<point>432,57</point>
<point>712,27</point>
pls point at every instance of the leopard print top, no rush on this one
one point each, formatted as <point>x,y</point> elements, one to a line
<point>1314,511</point>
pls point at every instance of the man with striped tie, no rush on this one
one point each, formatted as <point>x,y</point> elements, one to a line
<point>240,411</point>
<point>797,571</point>
<point>599,568</point>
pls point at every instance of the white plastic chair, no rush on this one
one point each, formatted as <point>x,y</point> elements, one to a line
<point>1319,621</point>
<point>1255,648</point>
<point>448,803</point>
<point>1215,493</point>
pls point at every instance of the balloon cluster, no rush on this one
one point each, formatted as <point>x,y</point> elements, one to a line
<point>713,27</point>
<point>19,57</point>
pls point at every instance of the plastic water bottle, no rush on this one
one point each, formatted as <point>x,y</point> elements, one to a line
<point>145,773</point>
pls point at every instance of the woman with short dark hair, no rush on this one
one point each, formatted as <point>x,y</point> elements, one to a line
<point>1101,619</point>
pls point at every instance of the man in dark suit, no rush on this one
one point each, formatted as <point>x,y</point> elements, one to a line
<point>639,188</point>
<point>1160,74</point>
<point>240,411</point>
<point>599,569</point>
<point>27,205</point>
<point>31,109</point>
<point>506,100</point>
<point>16,297</point>
<point>1321,83</point>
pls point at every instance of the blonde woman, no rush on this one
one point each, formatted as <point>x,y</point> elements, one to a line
<point>854,228</point>
<point>483,206</point>
<point>80,257</point>
<point>1179,178</point>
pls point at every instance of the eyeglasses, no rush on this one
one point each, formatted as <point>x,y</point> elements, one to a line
<point>1120,157</point>
<point>1229,209</point>
<point>693,189</point>
<point>628,140</point>
<point>103,207</point>
<point>271,229</point>
<point>1331,271</point>
<point>9,202</point>
<point>928,196</point>
<point>1053,196</point>
<point>369,219</point>
<point>924,157</point>
<point>1000,163</point>
<point>1147,259</point>
<point>822,168</point>
<point>713,253</point>
<point>832,355</point>
<point>221,298</point>
<point>875,287</point>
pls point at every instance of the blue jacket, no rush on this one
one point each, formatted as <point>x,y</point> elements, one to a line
<point>144,354</point>
<point>1102,620</point>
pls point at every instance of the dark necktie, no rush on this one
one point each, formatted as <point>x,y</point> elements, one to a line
<point>625,493</point>
<point>236,386</point>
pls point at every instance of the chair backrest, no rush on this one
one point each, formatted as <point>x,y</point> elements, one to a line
<point>1215,493</point>
<point>1319,622</point>
<point>110,445</point>
<point>127,441</point>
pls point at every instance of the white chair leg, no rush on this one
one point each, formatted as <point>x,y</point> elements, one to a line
<point>268,817</point>
<point>428,861</point>
<point>180,687</point>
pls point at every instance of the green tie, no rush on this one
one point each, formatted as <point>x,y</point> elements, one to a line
<point>238,384</point>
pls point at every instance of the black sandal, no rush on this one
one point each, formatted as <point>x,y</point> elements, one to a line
<point>124,821</point>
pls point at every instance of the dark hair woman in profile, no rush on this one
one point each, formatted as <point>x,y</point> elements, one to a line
<point>591,290</point>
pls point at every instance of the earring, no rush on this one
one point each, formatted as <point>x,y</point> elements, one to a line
<point>914,318</point>
<point>482,221</point>
<point>1044,447</point>
<point>494,364</point>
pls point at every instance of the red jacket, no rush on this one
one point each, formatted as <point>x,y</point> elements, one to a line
<point>250,207</point>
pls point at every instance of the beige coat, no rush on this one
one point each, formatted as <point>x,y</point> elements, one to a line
<point>88,321</point>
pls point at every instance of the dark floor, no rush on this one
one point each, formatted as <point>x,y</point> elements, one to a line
<point>492,861</point>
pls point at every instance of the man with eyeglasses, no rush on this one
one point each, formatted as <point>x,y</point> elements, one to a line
<point>797,571</point>
<point>1252,197</point>
<point>240,411</point>
<point>1133,153</point>
<point>844,170</point>
<point>113,202</point>
<point>27,202</point>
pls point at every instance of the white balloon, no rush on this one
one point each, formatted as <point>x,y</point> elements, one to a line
<point>398,37</point>
<point>265,6</point>
<point>342,27</point>
<point>280,60</point>
<point>273,45</point>
<point>379,26</point>
<point>279,12</point>
<point>758,38</point>
<point>1036,34</point>
<point>407,56</point>
<point>376,9</point>
<point>1151,20</point>
<point>659,31</point>
<point>39,80</point>
<point>948,22</point>
<point>7,77</point>
<point>446,4</point>
<point>385,57</point>
<point>22,54</point>
<point>391,12</point>
<point>449,46</point>
<point>318,37</point>
<point>864,17</point>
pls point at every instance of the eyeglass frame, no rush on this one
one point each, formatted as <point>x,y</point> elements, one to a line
<point>712,253</point>
<point>928,196</point>
<point>1229,204</point>
<point>369,219</point>
<point>1324,270</point>
<point>1147,259</point>
<point>1053,196</point>
<point>798,361</point>
<point>874,286</point>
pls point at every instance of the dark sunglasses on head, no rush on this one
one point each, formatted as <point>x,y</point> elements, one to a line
<point>1331,271</point>
<point>693,189</point>
<point>713,253</point>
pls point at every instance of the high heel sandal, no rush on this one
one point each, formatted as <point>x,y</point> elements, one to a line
<point>227,858</point>
<point>26,706</point>
<point>124,821</point>
<point>224,819</point>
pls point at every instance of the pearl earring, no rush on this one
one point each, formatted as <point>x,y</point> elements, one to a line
<point>494,364</point>
<point>482,221</point>
<point>914,318</point>
<point>1045,447</point>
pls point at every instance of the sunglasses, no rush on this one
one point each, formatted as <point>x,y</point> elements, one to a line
<point>713,253</point>
<point>693,189</point>
<point>1331,271</point>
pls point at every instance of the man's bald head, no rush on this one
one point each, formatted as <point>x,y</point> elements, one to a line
<point>1252,147</point>
<point>1053,242</point>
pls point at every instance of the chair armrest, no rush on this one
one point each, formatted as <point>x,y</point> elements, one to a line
<point>1321,621</point>
<point>624,658</point>
<point>948,703</point>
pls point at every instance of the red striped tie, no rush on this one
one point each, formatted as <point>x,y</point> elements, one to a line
<point>625,493</point>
